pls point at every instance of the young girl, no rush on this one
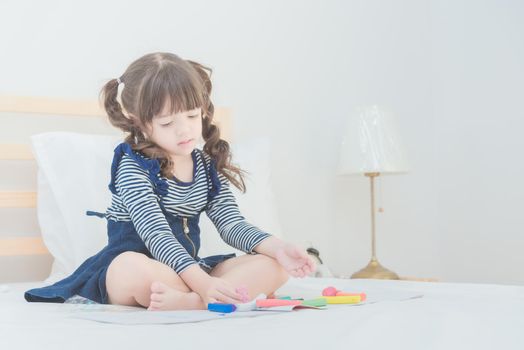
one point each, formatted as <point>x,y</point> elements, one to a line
<point>160,184</point>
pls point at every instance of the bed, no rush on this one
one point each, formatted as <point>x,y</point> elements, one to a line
<point>397,315</point>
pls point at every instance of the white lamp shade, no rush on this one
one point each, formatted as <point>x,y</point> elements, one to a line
<point>371,144</point>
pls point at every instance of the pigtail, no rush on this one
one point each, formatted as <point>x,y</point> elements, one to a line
<point>108,97</point>
<point>115,113</point>
<point>218,149</point>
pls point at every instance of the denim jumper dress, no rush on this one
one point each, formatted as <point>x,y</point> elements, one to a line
<point>89,279</point>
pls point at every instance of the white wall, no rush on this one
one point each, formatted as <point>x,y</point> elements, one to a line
<point>450,70</point>
<point>477,75</point>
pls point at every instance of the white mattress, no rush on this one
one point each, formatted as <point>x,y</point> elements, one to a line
<point>448,316</point>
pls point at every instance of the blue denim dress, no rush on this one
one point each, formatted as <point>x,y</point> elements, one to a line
<point>89,279</point>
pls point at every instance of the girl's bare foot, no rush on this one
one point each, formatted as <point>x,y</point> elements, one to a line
<point>165,298</point>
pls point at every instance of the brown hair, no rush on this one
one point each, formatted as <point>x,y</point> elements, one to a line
<point>149,83</point>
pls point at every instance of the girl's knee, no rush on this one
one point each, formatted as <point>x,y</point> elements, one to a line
<point>128,265</point>
<point>128,259</point>
<point>273,267</point>
<point>281,274</point>
<point>124,278</point>
<point>144,271</point>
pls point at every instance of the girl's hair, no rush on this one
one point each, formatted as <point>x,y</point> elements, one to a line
<point>149,83</point>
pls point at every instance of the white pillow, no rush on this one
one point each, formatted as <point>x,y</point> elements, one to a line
<point>74,171</point>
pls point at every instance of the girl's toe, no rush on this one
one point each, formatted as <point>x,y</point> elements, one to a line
<point>156,297</point>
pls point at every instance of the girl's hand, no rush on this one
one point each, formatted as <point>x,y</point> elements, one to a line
<point>295,260</point>
<point>219,290</point>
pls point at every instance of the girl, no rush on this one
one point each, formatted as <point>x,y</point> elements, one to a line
<point>160,184</point>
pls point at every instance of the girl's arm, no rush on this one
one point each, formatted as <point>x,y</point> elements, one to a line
<point>223,211</point>
<point>270,246</point>
<point>235,231</point>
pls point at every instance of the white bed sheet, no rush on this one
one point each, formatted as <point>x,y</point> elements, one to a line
<point>448,316</point>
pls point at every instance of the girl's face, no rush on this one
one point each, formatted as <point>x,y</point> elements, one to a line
<point>177,133</point>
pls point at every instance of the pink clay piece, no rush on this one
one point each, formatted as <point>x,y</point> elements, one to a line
<point>243,293</point>
<point>329,292</point>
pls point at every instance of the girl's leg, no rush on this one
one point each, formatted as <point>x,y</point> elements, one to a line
<point>259,273</point>
<point>136,280</point>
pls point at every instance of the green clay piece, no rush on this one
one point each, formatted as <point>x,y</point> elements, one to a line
<point>319,302</point>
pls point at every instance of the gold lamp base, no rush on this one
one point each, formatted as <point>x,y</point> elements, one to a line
<point>375,270</point>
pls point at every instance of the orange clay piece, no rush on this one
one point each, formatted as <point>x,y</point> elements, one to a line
<point>332,292</point>
<point>344,294</point>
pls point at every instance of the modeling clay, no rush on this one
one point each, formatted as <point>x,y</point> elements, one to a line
<point>318,302</point>
<point>252,305</point>
<point>277,302</point>
<point>220,307</point>
<point>346,299</point>
<point>242,290</point>
<point>332,292</point>
<point>329,292</point>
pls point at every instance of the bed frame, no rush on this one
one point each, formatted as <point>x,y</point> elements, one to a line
<point>25,257</point>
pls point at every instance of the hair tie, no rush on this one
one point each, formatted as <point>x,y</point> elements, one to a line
<point>119,87</point>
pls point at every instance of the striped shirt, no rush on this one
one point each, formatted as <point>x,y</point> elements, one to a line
<point>136,201</point>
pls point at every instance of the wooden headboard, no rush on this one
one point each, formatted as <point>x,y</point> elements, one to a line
<point>23,256</point>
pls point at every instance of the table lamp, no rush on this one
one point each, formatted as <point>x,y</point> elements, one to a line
<point>371,147</point>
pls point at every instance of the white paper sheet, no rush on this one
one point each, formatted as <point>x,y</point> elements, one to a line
<point>133,316</point>
<point>162,317</point>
